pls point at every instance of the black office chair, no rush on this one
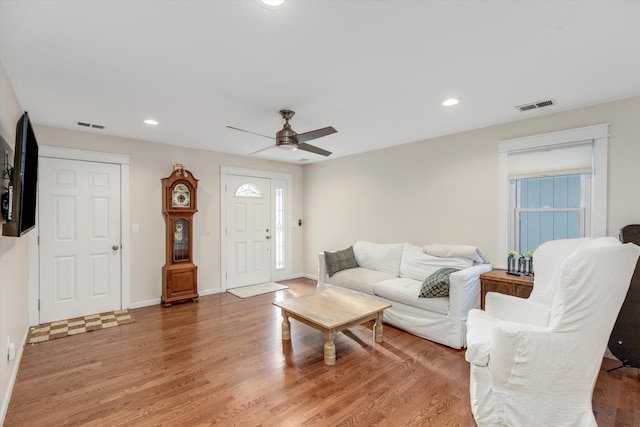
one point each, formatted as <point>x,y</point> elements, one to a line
<point>624,342</point>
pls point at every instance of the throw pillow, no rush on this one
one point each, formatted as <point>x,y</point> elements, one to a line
<point>340,260</point>
<point>437,284</point>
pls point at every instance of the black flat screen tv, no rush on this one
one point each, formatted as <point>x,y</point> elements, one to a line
<point>22,191</point>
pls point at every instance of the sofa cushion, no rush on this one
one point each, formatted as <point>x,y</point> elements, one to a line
<point>417,265</point>
<point>437,285</point>
<point>379,256</point>
<point>340,260</point>
<point>452,251</point>
<point>359,279</point>
<point>406,291</point>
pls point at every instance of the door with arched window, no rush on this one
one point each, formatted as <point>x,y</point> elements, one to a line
<point>248,231</point>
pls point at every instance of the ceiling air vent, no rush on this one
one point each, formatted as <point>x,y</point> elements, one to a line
<point>534,105</point>
<point>90,125</point>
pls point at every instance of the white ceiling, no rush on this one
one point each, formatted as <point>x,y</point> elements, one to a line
<point>376,70</point>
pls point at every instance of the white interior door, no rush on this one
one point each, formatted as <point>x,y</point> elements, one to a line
<point>248,230</point>
<point>79,228</point>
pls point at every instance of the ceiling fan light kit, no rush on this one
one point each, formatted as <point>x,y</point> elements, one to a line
<point>288,139</point>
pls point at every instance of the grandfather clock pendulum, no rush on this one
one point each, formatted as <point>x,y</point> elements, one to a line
<point>179,203</point>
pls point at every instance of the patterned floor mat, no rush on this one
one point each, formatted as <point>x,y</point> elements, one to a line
<point>63,328</point>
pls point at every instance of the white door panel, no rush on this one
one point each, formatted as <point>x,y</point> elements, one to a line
<point>79,225</point>
<point>248,231</point>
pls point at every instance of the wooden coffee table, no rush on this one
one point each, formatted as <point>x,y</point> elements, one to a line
<point>331,311</point>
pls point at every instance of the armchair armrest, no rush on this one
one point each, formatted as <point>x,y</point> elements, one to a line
<point>507,307</point>
<point>464,290</point>
<point>491,337</point>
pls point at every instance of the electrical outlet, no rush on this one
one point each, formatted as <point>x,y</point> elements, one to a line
<point>11,349</point>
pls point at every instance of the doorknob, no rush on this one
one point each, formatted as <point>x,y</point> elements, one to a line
<point>115,247</point>
<point>268,237</point>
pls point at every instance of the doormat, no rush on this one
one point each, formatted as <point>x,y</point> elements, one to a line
<point>259,289</point>
<point>64,328</point>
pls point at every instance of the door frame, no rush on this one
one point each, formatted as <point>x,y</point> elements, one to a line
<point>34,249</point>
<point>279,176</point>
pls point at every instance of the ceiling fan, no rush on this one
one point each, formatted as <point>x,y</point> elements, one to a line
<point>288,139</point>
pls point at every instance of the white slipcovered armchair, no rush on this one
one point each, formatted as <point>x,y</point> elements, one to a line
<point>534,362</point>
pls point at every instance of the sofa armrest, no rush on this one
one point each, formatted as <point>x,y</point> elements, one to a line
<point>322,271</point>
<point>464,290</point>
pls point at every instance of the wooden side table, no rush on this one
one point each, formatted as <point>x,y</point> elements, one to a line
<point>499,281</point>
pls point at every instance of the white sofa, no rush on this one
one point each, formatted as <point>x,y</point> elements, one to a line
<point>395,272</point>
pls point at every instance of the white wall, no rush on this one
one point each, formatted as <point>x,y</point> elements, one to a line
<point>445,189</point>
<point>13,264</point>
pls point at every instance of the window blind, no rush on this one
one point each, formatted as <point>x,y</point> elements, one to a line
<point>551,161</point>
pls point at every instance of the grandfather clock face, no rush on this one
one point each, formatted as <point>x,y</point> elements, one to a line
<point>181,196</point>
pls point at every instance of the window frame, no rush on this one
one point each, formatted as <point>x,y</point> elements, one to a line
<point>597,135</point>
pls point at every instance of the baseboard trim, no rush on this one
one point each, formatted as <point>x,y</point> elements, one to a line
<point>12,379</point>
<point>147,303</point>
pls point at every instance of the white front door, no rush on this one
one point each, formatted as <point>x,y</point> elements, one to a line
<point>248,230</point>
<point>79,228</point>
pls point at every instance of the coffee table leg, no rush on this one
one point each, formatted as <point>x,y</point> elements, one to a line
<point>377,328</point>
<point>329,348</point>
<point>286,326</point>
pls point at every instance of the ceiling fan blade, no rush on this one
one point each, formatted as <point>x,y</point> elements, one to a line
<point>313,149</point>
<point>318,133</point>
<point>262,149</point>
<point>248,131</point>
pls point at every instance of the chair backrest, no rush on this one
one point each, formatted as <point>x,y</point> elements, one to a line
<point>591,286</point>
<point>547,260</point>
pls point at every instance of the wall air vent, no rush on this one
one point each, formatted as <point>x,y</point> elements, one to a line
<point>90,125</point>
<point>535,105</point>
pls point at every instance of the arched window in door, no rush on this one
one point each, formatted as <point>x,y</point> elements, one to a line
<point>248,190</point>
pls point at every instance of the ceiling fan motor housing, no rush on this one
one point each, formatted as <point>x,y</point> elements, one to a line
<point>286,138</point>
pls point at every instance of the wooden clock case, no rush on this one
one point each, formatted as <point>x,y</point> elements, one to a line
<point>179,274</point>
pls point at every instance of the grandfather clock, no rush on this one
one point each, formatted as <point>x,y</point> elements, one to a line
<point>179,203</point>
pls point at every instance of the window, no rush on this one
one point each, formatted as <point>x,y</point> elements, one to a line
<point>279,229</point>
<point>551,186</point>
<point>549,208</point>
<point>248,190</point>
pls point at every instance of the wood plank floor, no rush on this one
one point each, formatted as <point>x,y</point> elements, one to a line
<point>222,362</point>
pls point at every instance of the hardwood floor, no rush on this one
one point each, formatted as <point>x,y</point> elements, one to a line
<point>222,362</point>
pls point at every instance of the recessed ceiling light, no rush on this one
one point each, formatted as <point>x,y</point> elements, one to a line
<point>449,102</point>
<point>151,122</point>
<point>271,4</point>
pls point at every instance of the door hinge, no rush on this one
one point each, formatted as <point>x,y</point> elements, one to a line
<point>38,305</point>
